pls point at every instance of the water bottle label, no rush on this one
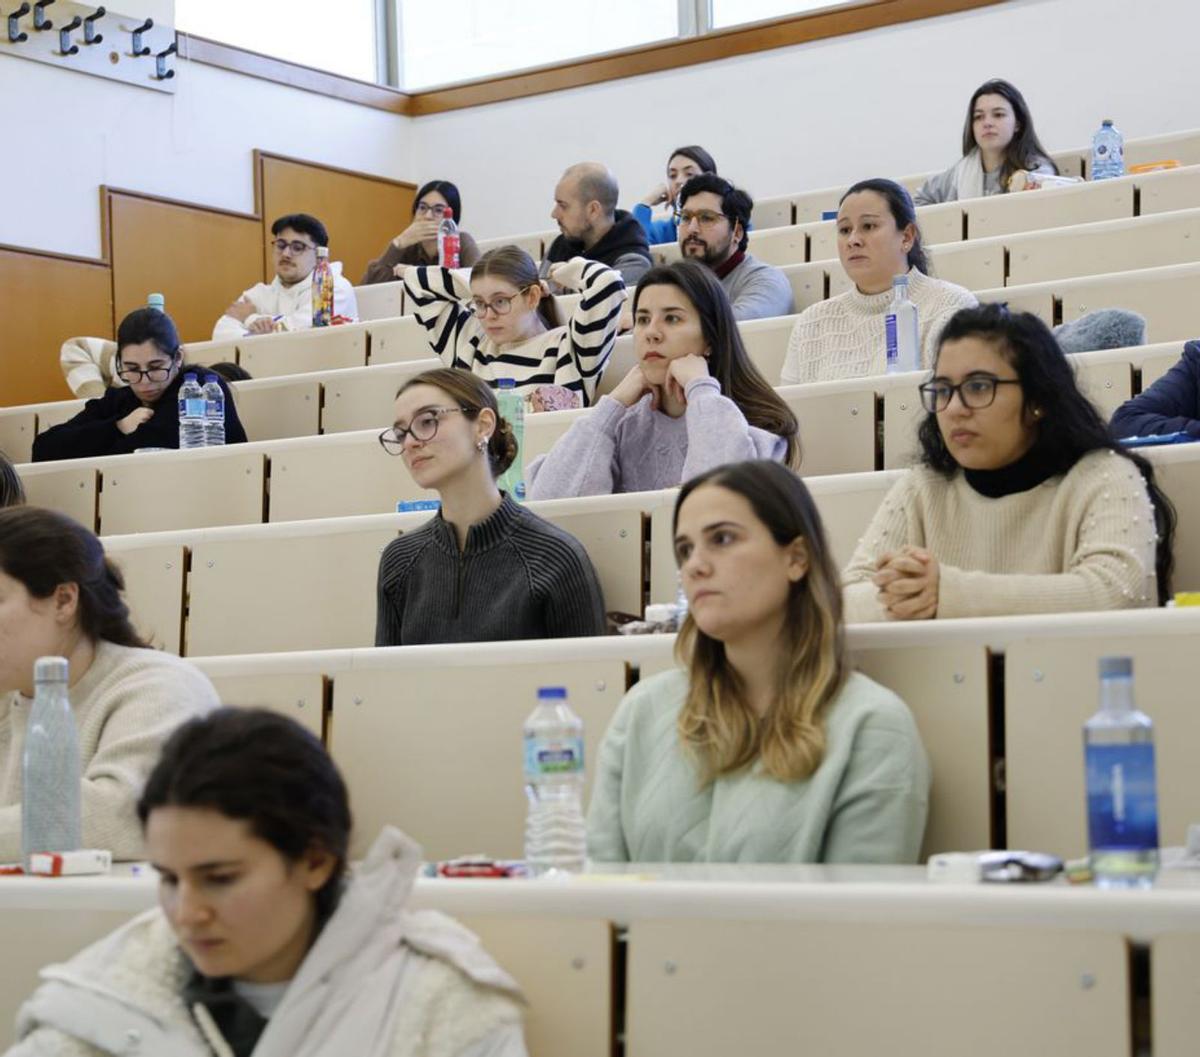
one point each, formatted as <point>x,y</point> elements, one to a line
<point>450,253</point>
<point>1122,801</point>
<point>193,407</point>
<point>893,338</point>
<point>552,758</point>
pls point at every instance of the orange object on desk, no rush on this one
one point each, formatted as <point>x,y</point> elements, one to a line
<point>1153,166</point>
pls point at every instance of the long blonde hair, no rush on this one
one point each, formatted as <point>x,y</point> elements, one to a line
<point>716,723</point>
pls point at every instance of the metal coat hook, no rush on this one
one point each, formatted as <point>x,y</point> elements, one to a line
<point>160,63</point>
<point>40,21</point>
<point>15,36</point>
<point>65,47</point>
<point>90,36</point>
<point>139,49</point>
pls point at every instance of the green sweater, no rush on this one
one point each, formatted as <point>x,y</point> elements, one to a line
<point>866,803</point>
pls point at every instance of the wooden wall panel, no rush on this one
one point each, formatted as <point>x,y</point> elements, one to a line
<point>199,259</point>
<point>360,212</point>
<point>46,300</point>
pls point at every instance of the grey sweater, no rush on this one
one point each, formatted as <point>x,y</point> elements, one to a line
<point>518,577</point>
<point>757,290</point>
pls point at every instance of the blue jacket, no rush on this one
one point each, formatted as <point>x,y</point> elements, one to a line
<point>657,231</point>
<point>1170,405</point>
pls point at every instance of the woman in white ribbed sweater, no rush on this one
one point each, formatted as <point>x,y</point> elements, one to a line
<point>878,239</point>
<point>1023,502</point>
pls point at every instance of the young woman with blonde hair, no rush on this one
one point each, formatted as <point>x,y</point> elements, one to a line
<point>766,746</point>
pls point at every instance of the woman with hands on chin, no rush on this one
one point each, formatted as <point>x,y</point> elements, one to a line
<point>1023,502</point>
<point>418,243</point>
<point>693,402</point>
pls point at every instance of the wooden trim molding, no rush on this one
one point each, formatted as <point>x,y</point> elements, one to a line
<point>834,21</point>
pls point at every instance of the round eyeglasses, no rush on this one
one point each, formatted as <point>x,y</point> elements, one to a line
<point>423,427</point>
<point>975,393</point>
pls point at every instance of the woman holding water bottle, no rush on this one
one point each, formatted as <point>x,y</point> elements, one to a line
<point>60,596</point>
<point>143,413</point>
<point>877,239</point>
<point>764,745</point>
<point>484,567</point>
<point>418,243</point>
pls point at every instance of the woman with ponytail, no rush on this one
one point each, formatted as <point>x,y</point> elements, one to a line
<point>60,596</point>
<point>485,568</point>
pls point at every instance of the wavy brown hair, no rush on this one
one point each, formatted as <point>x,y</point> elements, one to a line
<point>471,394</point>
<point>728,361</point>
<point>716,724</point>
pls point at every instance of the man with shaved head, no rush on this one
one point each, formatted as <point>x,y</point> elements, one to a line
<point>585,209</point>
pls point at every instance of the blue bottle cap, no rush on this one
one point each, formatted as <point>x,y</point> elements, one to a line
<point>506,383</point>
<point>1116,667</point>
<point>552,693</point>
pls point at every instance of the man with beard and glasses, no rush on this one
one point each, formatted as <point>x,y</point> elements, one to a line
<point>714,217</point>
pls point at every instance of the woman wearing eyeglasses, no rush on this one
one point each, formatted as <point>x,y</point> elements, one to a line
<point>418,243</point>
<point>1023,502</point>
<point>144,412</point>
<point>502,323</point>
<point>484,568</point>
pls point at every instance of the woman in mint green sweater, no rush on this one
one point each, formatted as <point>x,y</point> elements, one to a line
<point>766,747</point>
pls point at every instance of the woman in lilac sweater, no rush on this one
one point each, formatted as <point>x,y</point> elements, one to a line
<point>693,402</point>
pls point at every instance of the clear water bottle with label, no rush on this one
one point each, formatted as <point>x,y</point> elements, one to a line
<point>214,412</point>
<point>555,835</point>
<point>156,301</point>
<point>1108,152</point>
<point>1122,800</point>
<point>51,819</point>
<point>322,290</point>
<point>902,330</point>
<point>191,413</point>
<point>448,241</point>
<point>512,410</point>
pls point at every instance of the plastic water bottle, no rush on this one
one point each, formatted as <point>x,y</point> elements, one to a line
<point>50,811</point>
<point>1122,802</point>
<point>191,413</point>
<point>322,290</point>
<point>555,836</point>
<point>1108,152</point>
<point>902,329</point>
<point>512,410</point>
<point>214,412</point>
<point>156,301</point>
<point>448,241</point>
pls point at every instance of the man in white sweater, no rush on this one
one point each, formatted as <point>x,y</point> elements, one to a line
<point>286,302</point>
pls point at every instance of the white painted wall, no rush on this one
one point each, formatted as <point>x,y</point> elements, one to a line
<point>887,102</point>
<point>70,133</point>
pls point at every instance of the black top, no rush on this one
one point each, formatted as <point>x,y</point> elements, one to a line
<point>240,1024</point>
<point>94,430</point>
<point>519,577</point>
<point>625,237</point>
<point>1170,405</point>
<point>1030,470</point>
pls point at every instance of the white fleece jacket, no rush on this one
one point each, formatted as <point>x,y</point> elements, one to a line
<point>293,303</point>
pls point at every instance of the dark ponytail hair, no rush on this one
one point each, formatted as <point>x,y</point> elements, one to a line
<point>514,265</point>
<point>43,549</point>
<point>262,768</point>
<point>447,190</point>
<point>903,212</point>
<point>1024,150</point>
<point>12,492</point>
<point>472,394</point>
<point>1069,427</point>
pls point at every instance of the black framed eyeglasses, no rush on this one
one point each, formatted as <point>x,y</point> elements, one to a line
<point>133,375</point>
<point>501,305</point>
<point>424,208</point>
<point>296,246</point>
<point>976,393</point>
<point>423,427</point>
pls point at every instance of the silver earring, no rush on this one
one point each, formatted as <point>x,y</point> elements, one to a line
<point>481,444</point>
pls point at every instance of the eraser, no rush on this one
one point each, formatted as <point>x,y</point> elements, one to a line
<point>70,863</point>
<point>955,867</point>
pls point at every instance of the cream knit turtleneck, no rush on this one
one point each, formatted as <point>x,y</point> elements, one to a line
<point>842,337</point>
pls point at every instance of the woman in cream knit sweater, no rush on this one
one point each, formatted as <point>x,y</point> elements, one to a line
<point>1023,502</point>
<point>878,239</point>
<point>60,596</point>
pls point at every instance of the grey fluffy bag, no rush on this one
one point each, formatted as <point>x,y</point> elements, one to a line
<point>1106,328</point>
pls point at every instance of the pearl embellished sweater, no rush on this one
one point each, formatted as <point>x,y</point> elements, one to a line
<point>843,336</point>
<point>1079,541</point>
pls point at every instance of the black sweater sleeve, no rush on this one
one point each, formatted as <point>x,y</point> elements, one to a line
<point>1170,405</point>
<point>90,433</point>
<point>572,599</point>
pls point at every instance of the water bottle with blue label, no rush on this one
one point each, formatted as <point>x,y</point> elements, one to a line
<point>555,834</point>
<point>512,410</point>
<point>1108,152</point>
<point>214,412</point>
<point>191,413</point>
<point>1122,800</point>
<point>902,330</point>
<point>51,817</point>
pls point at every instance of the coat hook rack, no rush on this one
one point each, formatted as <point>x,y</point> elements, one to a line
<point>90,36</point>
<point>140,49</point>
<point>40,21</point>
<point>15,36</point>
<point>160,63</point>
<point>65,47</point>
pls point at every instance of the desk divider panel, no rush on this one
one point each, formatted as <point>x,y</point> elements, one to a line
<point>297,695</point>
<point>365,397</point>
<point>1166,296</point>
<point>1053,207</point>
<point>154,588</point>
<point>276,408</point>
<point>18,427</point>
<point>304,351</point>
<point>1175,983</point>
<point>71,488</point>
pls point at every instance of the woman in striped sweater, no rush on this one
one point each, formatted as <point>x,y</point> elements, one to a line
<point>502,325</point>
